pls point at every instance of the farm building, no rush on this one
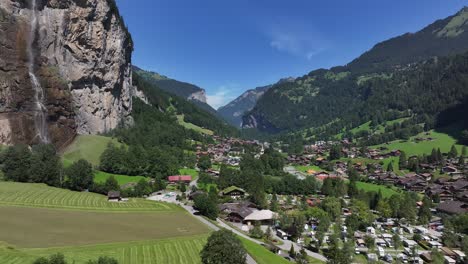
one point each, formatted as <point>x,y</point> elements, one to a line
<point>179,178</point>
<point>114,196</point>
<point>264,217</point>
<point>233,191</point>
<point>237,212</point>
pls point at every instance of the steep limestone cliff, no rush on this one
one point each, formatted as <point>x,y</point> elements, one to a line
<point>82,60</point>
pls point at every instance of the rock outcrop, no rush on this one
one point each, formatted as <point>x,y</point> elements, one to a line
<point>198,96</point>
<point>82,54</point>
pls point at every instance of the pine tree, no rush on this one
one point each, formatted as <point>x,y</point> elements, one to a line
<point>434,156</point>
<point>390,166</point>
<point>274,203</point>
<point>440,158</point>
<point>292,252</point>
<point>403,161</point>
<point>453,152</point>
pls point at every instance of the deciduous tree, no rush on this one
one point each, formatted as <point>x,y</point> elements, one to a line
<point>223,247</point>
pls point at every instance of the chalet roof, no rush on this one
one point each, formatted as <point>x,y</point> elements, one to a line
<point>176,178</point>
<point>243,209</point>
<point>113,194</point>
<point>261,215</point>
<point>230,189</point>
<point>462,195</point>
<point>459,185</point>
<point>453,207</point>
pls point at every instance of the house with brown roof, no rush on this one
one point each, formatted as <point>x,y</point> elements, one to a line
<point>453,207</point>
<point>114,196</point>
<point>237,212</point>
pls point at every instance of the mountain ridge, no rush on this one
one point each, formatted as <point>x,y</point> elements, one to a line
<point>234,110</point>
<point>321,97</point>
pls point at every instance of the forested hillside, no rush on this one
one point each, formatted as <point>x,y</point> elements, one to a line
<point>184,90</point>
<point>176,105</point>
<point>380,85</point>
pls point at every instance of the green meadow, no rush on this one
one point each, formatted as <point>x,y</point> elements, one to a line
<point>88,147</point>
<point>412,147</point>
<point>180,119</point>
<point>100,177</point>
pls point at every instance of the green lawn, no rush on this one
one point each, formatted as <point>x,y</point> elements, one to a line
<point>182,250</point>
<point>88,147</point>
<point>100,177</point>
<point>306,168</point>
<point>411,147</point>
<point>191,172</point>
<point>41,195</point>
<point>180,119</point>
<point>386,192</point>
<point>207,187</point>
<point>261,254</point>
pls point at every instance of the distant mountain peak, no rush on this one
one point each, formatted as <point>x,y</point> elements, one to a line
<point>234,110</point>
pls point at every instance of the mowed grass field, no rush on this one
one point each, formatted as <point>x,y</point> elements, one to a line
<point>27,227</point>
<point>44,220</point>
<point>183,250</point>
<point>88,147</point>
<point>41,195</point>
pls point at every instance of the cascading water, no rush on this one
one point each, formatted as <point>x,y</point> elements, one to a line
<point>40,115</point>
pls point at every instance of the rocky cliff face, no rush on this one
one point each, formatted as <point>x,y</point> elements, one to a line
<point>199,96</point>
<point>82,59</point>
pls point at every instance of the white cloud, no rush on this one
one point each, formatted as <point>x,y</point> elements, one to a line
<point>222,96</point>
<point>295,40</point>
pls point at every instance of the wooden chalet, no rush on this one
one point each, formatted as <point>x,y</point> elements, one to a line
<point>114,196</point>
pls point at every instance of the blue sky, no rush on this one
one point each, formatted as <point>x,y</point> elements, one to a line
<point>227,47</point>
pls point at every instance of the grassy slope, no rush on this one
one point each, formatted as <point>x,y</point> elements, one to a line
<point>88,147</point>
<point>180,119</point>
<point>363,127</point>
<point>40,195</point>
<point>441,140</point>
<point>386,192</point>
<point>100,177</point>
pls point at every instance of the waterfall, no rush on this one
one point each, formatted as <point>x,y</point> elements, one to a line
<point>40,115</point>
